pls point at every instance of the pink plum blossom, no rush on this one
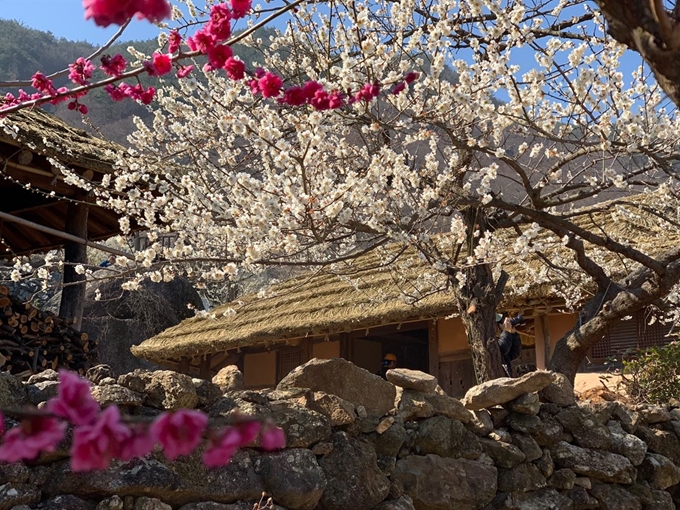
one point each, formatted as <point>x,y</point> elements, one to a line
<point>140,443</point>
<point>40,82</point>
<point>218,57</point>
<point>222,446</point>
<point>270,85</point>
<point>184,71</point>
<point>117,12</point>
<point>201,41</point>
<point>240,7</point>
<point>160,64</point>
<point>80,71</point>
<point>272,438</point>
<point>33,435</point>
<point>235,68</point>
<point>74,401</point>
<point>174,41</point>
<point>219,25</point>
<point>179,432</point>
<point>113,66</point>
<point>95,445</point>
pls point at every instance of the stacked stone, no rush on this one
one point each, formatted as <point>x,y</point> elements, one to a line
<point>358,442</point>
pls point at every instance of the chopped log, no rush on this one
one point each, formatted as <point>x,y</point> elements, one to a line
<point>4,301</point>
<point>4,290</point>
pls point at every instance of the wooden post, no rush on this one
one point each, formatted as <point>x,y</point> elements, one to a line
<point>204,368</point>
<point>73,293</point>
<point>345,346</point>
<point>433,348</point>
<point>546,340</point>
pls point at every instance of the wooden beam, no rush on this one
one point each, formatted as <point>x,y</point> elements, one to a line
<point>433,348</point>
<point>204,367</point>
<point>74,284</point>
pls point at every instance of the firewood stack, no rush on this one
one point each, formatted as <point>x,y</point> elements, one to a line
<point>32,340</point>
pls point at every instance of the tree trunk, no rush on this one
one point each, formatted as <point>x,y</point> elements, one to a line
<point>477,299</point>
<point>634,292</point>
<point>477,304</point>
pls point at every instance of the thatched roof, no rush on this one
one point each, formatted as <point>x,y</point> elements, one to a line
<point>33,145</point>
<point>365,294</point>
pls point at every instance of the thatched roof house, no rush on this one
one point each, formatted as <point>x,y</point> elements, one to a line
<point>367,300</point>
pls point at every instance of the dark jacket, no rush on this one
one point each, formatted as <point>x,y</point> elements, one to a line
<point>511,347</point>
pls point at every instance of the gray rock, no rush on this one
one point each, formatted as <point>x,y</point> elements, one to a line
<point>524,477</point>
<point>208,393</point>
<point>412,379</point>
<point>356,480</point>
<point>650,414</point>
<point>144,503</point>
<point>504,455</point>
<point>229,378</point>
<point>653,499</point>
<point>625,444</point>
<point>501,435</point>
<point>117,394</point>
<point>601,411</point>
<point>112,503</point>
<point>582,500</point>
<point>66,502</point>
<point>562,479</point>
<point>659,471</point>
<point>339,377</point>
<point>585,427</point>
<point>292,478</point>
<point>560,391</point>
<point>615,497</point>
<point>443,405</point>
<point>413,405</point>
<point>528,445</point>
<point>505,389</point>
<point>322,448</point>
<point>401,503</point>
<point>480,422</point>
<point>544,499</point>
<point>211,505</point>
<point>179,482</point>
<point>628,418</point>
<point>338,411</point>
<point>549,433</point>
<point>498,416</point>
<point>14,494</point>
<point>660,441</point>
<point>447,438</point>
<point>98,373</point>
<point>524,404</point>
<point>45,375</point>
<point>545,464</point>
<point>13,394</point>
<point>529,424</point>
<point>303,427</point>
<point>16,473</point>
<point>436,483</point>
<point>165,389</point>
<point>607,467</point>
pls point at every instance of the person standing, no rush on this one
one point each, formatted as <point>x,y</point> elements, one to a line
<point>509,342</point>
<point>388,363</point>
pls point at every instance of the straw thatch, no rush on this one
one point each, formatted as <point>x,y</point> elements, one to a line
<point>50,136</point>
<point>366,294</point>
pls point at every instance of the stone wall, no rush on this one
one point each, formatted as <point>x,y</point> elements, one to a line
<point>510,444</point>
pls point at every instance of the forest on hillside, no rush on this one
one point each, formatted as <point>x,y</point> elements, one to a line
<point>23,51</point>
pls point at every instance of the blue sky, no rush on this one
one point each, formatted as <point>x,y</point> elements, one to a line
<point>64,18</point>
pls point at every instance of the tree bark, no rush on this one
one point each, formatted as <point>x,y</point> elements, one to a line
<point>73,293</point>
<point>647,28</point>
<point>477,299</point>
<point>636,291</point>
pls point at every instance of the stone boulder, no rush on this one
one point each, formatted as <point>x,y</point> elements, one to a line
<point>604,466</point>
<point>503,454</point>
<point>356,481</point>
<point>413,405</point>
<point>293,478</point>
<point>13,394</point>
<point>444,405</point>
<point>412,380</point>
<point>164,389</point>
<point>303,427</point>
<point>502,390</point>
<point>615,497</point>
<point>628,445</point>
<point>585,427</point>
<point>338,410</point>
<point>228,379</point>
<point>120,319</point>
<point>118,395</point>
<point>446,438</point>
<point>436,483</point>
<point>344,379</point>
<point>12,495</point>
<point>560,391</point>
<point>544,499</point>
<point>659,471</point>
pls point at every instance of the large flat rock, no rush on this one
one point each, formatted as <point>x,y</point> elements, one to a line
<point>503,390</point>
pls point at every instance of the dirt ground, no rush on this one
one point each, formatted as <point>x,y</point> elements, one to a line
<point>590,380</point>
